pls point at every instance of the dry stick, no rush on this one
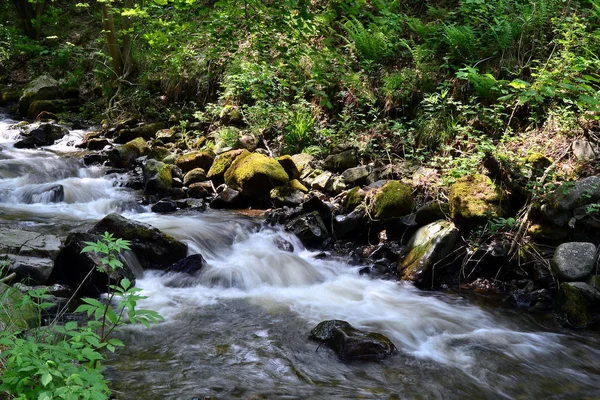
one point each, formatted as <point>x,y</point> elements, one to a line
<point>8,278</point>
<point>65,308</point>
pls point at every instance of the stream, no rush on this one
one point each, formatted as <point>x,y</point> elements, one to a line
<point>240,329</point>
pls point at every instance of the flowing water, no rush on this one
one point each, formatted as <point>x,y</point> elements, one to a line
<point>239,329</point>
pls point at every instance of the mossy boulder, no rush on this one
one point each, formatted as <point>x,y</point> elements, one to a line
<point>159,153</point>
<point>16,313</point>
<point>549,233</point>
<point>125,155</point>
<point>157,177</point>
<point>255,175</point>
<point>394,199</point>
<point>297,185</point>
<point>153,248</point>
<point>354,197</point>
<point>194,176</point>
<point>195,159</point>
<point>572,306</point>
<point>428,248</point>
<point>287,162</point>
<point>222,163</point>
<point>9,95</point>
<point>43,87</point>
<point>341,161</point>
<point>351,344</point>
<point>146,131</point>
<point>538,162</point>
<point>38,106</point>
<point>474,199</point>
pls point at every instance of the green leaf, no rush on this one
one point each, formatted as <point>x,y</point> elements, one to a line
<point>46,379</point>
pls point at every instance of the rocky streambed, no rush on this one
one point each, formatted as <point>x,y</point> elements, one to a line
<point>241,292</point>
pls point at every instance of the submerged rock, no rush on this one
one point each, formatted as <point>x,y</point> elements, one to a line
<point>153,248</point>
<point>44,134</point>
<point>352,344</point>
<point>574,261</point>
<point>428,248</point>
<point>52,193</point>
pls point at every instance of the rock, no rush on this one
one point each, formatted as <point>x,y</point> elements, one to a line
<point>302,160</point>
<point>200,190</point>
<point>341,161</point>
<point>297,185</point>
<point>91,159</point>
<point>43,87</point>
<point>97,144</point>
<point>583,150</point>
<point>157,177</point>
<point>46,116</point>
<point>159,153</point>
<point>222,163</point>
<point>351,226</point>
<point>30,269</point>
<point>352,344</point>
<point>37,107</point>
<point>38,135</point>
<point>474,199</point>
<point>356,175</point>
<point>427,250</point>
<point>166,135</point>
<point>572,306</point>
<point>189,265</point>
<point>574,261</point>
<point>72,268</point>
<point>164,206</point>
<point>247,142</point>
<point>28,244</point>
<point>322,181</point>
<point>288,164</point>
<point>538,162</point>
<point>255,175</point>
<point>354,197</point>
<point>48,193</point>
<point>283,244</point>
<point>309,228</point>
<point>394,199</point>
<point>194,176</point>
<point>146,131</point>
<point>231,115</point>
<point>336,185</point>
<point>153,248</point>
<point>196,159</point>
<point>124,156</point>
<point>316,203</point>
<point>9,95</point>
<point>431,212</point>
<point>227,199</point>
<point>16,314</point>
<point>547,232</point>
<point>286,196</point>
<point>571,195</point>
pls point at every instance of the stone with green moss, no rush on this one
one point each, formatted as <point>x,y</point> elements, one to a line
<point>157,177</point>
<point>222,163</point>
<point>125,155</point>
<point>427,250</point>
<point>195,159</point>
<point>255,175</point>
<point>286,196</point>
<point>194,176</point>
<point>159,153</point>
<point>538,161</point>
<point>394,199</point>
<point>547,232</point>
<point>354,197</point>
<point>572,307</point>
<point>287,162</point>
<point>297,185</point>
<point>474,199</point>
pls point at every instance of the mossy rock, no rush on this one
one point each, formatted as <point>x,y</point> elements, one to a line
<point>195,159</point>
<point>354,197</point>
<point>157,177</point>
<point>43,87</point>
<point>474,199</point>
<point>547,232</point>
<point>572,307</point>
<point>16,313</point>
<point>10,95</point>
<point>297,185</point>
<point>538,161</point>
<point>125,155</point>
<point>287,162</point>
<point>194,176</point>
<point>394,199</point>
<point>159,153</point>
<point>39,106</point>
<point>222,163</point>
<point>255,175</point>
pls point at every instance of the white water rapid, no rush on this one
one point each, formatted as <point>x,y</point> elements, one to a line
<point>239,329</point>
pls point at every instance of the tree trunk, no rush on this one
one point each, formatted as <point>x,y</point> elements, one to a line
<point>129,4</point>
<point>26,14</point>
<point>108,24</point>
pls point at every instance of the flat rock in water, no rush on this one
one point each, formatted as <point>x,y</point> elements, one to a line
<point>29,244</point>
<point>573,261</point>
<point>352,344</point>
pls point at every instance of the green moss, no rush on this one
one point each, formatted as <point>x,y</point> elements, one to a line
<point>289,165</point>
<point>539,161</point>
<point>255,174</point>
<point>296,185</point>
<point>195,159</point>
<point>573,307</point>
<point>159,153</point>
<point>394,199</point>
<point>547,232</point>
<point>475,198</point>
<point>353,198</point>
<point>223,161</point>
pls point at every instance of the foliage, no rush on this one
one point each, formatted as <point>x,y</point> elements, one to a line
<point>63,361</point>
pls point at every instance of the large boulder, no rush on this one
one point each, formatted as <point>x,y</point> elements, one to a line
<point>157,177</point>
<point>37,107</point>
<point>194,176</point>
<point>42,88</point>
<point>341,161</point>
<point>86,270</point>
<point>574,261</point>
<point>28,269</point>
<point>575,303</point>
<point>222,163</point>
<point>427,250</point>
<point>309,228</point>
<point>195,159</point>
<point>37,135</point>
<point>153,248</point>
<point>125,155</point>
<point>28,244</point>
<point>352,344</point>
<point>474,199</point>
<point>394,199</point>
<point>560,206</point>
<point>255,175</point>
